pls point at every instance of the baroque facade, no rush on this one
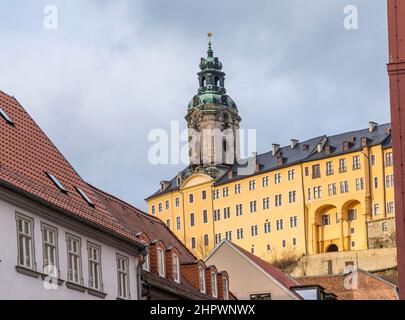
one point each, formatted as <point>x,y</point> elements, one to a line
<point>325,194</point>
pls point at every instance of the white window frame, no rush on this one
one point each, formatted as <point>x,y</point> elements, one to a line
<point>226,288</point>
<point>95,267</point>
<point>176,268</point>
<point>28,235</point>
<point>214,285</point>
<point>201,272</point>
<point>123,278</point>
<point>161,263</point>
<point>74,266</point>
<point>48,247</point>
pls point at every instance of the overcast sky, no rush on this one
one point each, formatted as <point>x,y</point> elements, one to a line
<point>114,70</point>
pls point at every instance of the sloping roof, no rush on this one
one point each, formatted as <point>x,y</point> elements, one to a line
<point>137,221</point>
<point>27,154</point>
<point>273,272</point>
<point>304,151</point>
<point>369,286</point>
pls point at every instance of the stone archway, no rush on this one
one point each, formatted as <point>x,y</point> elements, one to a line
<point>322,225</point>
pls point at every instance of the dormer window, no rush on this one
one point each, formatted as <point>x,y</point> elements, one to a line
<point>214,287</point>
<point>202,279</point>
<point>161,263</point>
<point>226,288</point>
<point>176,268</point>
<point>178,181</point>
<point>146,264</point>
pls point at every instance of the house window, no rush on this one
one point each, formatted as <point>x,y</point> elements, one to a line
<point>337,217</point>
<point>167,205</point>
<point>344,186</point>
<point>317,191</point>
<point>50,251</point>
<point>239,210</point>
<point>177,202</point>
<point>359,184</point>
<point>202,279</point>
<point>205,216</point>
<point>193,243</point>
<point>291,174</point>
<point>146,264</point>
<point>375,182</point>
<point>168,223</point>
<point>206,240</point>
<point>277,178</point>
<point>284,244</point>
<point>228,235</point>
<point>227,213</point>
<point>384,226</point>
<point>254,230</point>
<point>253,206</point>
<point>25,242</point>
<point>237,188</point>
<point>153,210</point>
<point>95,279</point>
<point>278,200</point>
<point>226,288</point>
<point>316,171</point>
<point>293,221</point>
<point>266,203</point>
<point>252,184</point>
<point>294,241</point>
<point>225,192</point>
<point>389,181</point>
<point>306,170</point>
<point>239,233</point>
<point>372,159</point>
<point>218,238</point>
<point>161,263</point>
<point>215,194</point>
<point>329,168</point>
<point>176,268</point>
<point>191,198</point>
<point>204,194</point>
<point>160,207</point>
<point>123,277</point>
<point>292,196</point>
<point>342,165</point>
<point>325,219</point>
<point>352,214</point>
<point>214,287</point>
<point>356,162</point>
<point>217,214</point>
<point>192,220</point>
<point>388,159</point>
<point>332,189</point>
<point>309,193</point>
<point>376,209</point>
<point>267,227</point>
<point>74,260</point>
<point>178,223</point>
<point>390,207</point>
<point>265,181</point>
<point>280,224</point>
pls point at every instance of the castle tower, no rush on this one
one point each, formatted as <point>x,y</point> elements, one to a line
<point>212,119</point>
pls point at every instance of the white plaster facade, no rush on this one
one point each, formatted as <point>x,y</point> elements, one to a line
<point>15,285</point>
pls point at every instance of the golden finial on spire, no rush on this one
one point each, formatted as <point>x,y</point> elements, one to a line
<point>209,35</point>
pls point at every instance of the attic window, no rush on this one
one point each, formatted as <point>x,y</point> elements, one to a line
<point>56,182</point>
<point>5,116</point>
<point>85,197</point>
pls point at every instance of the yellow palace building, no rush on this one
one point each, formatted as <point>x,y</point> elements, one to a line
<point>326,194</point>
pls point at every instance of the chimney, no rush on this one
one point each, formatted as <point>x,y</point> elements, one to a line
<point>372,125</point>
<point>275,148</point>
<point>294,143</point>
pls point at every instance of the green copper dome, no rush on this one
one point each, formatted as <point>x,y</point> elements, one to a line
<point>212,90</point>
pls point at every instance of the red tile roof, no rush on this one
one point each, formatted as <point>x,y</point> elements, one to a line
<point>27,154</point>
<point>274,272</point>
